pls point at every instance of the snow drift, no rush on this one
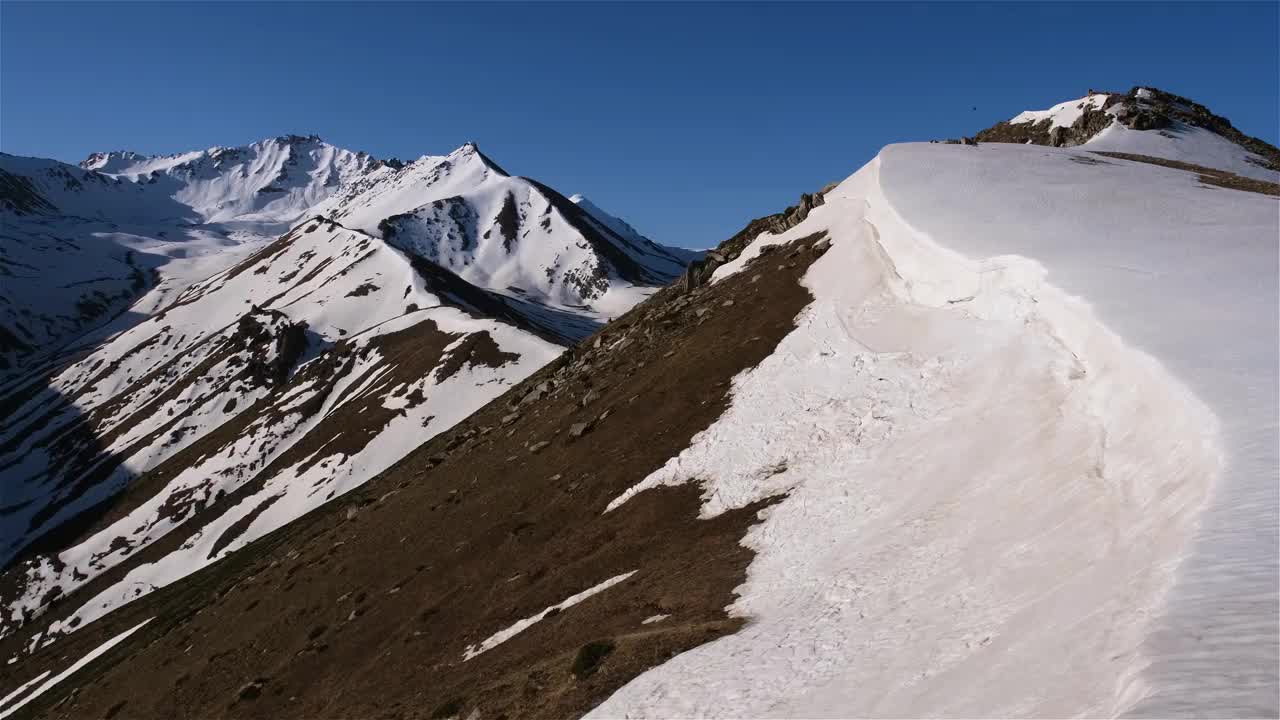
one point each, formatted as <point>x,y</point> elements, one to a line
<point>993,459</point>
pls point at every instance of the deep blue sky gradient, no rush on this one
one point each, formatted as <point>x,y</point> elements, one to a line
<point>688,120</point>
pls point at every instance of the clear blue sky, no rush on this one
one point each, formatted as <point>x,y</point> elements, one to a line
<point>688,120</point>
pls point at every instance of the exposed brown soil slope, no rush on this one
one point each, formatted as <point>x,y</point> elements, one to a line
<point>365,607</point>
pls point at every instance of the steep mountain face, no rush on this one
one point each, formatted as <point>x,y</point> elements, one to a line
<point>1144,121</point>
<point>896,451</point>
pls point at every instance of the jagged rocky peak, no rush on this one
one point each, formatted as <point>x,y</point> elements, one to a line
<point>109,161</point>
<point>292,139</point>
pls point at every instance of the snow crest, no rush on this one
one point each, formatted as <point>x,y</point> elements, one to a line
<point>987,493</point>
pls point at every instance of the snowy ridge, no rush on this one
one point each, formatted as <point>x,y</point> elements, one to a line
<point>917,568</point>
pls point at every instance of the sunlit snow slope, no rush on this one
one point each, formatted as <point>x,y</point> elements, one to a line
<point>1027,435</point>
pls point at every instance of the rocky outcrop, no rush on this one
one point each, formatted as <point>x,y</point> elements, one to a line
<point>700,271</point>
<point>1090,123</point>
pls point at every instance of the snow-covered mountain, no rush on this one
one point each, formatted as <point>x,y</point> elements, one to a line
<point>271,182</point>
<point>900,450</point>
<point>114,227</point>
<point>508,234</point>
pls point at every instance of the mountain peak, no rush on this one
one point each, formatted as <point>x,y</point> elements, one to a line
<point>291,139</point>
<point>107,161</point>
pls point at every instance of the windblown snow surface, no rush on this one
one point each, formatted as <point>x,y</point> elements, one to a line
<point>1029,427</point>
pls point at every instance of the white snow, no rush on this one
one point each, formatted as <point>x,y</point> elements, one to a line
<point>1063,114</point>
<point>654,619</point>
<point>8,709</point>
<point>520,626</point>
<point>989,490</point>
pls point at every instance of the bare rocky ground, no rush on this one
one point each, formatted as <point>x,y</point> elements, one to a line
<point>365,607</point>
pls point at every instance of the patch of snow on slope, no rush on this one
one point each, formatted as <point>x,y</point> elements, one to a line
<point>1063,114</point>
<point>988,490</point>
<point>22,688</point>
<point>88,658</point>
<point>520,626</point>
